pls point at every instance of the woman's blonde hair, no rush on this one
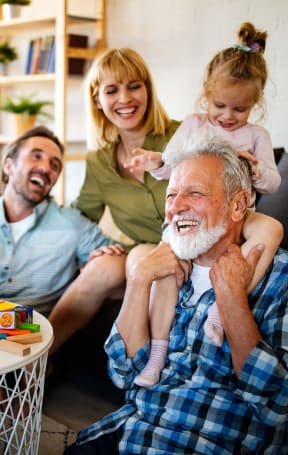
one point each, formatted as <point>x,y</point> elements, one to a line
<point>122,64</point>
<point>244,61</point>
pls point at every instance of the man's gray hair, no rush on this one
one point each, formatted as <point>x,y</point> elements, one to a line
<point>235,173</point>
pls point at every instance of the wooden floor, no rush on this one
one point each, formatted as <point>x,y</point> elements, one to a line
<point>79,401</point>
<point>79,391</point>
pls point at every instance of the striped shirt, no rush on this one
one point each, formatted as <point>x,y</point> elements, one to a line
<point>37,268</point>
<point>199,405</point>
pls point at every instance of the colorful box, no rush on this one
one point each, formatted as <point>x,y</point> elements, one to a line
<point>7,319</point>
<point>23,314</point>
<point>11,314</point>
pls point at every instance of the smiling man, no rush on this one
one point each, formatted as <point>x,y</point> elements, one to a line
<point>42,245</point>
<point>220,400</point>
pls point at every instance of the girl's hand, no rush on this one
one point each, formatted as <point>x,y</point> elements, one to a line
<point>107,249</point>
<point>144,160</point>
<point>252,161</point>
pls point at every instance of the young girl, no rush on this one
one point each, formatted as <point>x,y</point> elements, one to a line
<point>234,85</point>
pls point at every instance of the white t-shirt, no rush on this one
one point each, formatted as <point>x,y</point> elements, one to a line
<point>201,282</point>
<point>20,227</point>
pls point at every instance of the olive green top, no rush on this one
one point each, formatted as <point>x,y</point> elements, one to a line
<point>136,208</point>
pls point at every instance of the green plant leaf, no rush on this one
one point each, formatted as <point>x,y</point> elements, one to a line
<point>26,105</point>
<point>7,52</point>
<point>15,2</point>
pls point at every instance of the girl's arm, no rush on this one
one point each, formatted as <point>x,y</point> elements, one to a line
<point>144,160</point>
<point>268,177</point>
<point>260,228</point>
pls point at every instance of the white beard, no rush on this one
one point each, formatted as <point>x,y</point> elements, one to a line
<point>192,245</point>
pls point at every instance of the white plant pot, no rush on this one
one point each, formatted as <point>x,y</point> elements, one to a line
<point>10,11</point>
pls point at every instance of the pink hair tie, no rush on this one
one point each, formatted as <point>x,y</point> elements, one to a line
<point>255,47</point>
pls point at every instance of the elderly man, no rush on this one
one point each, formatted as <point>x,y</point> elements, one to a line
<point>42,245</point>
<point>223,400</point>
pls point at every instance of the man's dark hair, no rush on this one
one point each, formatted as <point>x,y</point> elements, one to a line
<point>11,150</point>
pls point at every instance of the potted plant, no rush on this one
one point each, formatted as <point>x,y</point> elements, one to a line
<point>12,8</point>
<point>25,110</point>
<point>7,55</point>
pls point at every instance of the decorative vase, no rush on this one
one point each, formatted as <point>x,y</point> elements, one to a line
<point>22,123</point>
<point>10,11</point>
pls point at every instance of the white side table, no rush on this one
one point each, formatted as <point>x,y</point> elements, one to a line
<point>21,395</point>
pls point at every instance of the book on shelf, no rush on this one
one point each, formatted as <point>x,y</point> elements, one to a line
<point>45,50</point>
<point>35,55</point>
<point>29,56</point>
<point>41,55</point>
<point>51,58</point>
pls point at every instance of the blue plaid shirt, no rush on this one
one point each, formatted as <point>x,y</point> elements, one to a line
<point>199,405</point>
<point>42,263</point>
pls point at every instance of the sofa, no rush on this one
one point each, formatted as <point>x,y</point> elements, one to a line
<point>276,204</point>
<point>82,360</point>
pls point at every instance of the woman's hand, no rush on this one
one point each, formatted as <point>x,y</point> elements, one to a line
<point>107,249</point>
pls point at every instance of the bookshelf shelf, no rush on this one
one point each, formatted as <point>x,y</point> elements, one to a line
<point>28,25</point>
<point>60,26</point>
<point>26,79</point>
<point>21,25</point>
<point>75,156</point>
<point>77,52</point>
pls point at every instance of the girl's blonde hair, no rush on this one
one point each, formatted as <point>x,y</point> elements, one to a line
<point>243,61</point>
<point>122,64</point>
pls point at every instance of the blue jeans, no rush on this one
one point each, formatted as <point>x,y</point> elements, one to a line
<point>104,445</point>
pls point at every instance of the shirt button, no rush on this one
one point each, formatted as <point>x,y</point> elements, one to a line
<point>198,313</point>
<point>171,368</point>
<point>139,413</point>
<point>9,280</point>
<point>188,348</point>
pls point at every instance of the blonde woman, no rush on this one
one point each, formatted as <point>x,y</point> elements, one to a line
<point>126,114</point>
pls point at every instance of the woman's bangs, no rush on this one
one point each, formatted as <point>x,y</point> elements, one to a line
<point>122,69</point>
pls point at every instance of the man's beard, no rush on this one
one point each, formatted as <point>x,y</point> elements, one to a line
<point>31,198</point>
<point>192,245</point>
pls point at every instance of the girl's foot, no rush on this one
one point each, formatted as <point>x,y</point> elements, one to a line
<point>150,375</point>
<point>214,332</point>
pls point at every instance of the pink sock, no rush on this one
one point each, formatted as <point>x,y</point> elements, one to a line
<point>151,373</point>
<point>213,326</point>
